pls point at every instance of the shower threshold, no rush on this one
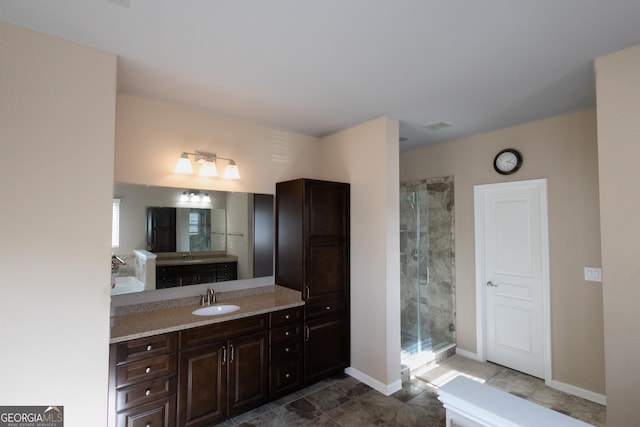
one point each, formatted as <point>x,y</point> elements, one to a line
<point>414,362</point>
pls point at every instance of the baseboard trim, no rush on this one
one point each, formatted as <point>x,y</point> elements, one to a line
<point>467,354</point>
<point>580,392</point>
<point>386,389</point>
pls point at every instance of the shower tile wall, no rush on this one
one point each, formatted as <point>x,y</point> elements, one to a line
<point>427,260</point>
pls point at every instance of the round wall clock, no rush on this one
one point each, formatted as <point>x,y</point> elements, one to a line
<point>507,161</point>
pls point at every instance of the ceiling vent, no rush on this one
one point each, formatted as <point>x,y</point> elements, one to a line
<point>438,126</point>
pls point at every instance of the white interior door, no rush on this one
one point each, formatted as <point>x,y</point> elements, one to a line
<point>512,274</point>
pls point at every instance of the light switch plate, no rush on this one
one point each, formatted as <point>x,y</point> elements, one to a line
<point>593,274</point>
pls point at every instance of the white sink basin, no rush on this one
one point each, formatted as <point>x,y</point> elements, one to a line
<point>214,310</point>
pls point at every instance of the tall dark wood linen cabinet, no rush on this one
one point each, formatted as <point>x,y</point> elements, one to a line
<point>312,256</point>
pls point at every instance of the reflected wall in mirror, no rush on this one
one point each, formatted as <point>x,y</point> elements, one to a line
<point>167,239</point>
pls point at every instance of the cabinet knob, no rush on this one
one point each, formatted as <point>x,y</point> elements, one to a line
<point>147,425</point>
<point>149,347</point>
<point>287,317</point>
<point>287,375</point>
<point>328,307</point>
<point>146,371</point>
<point>147,392</point>
<point>286,350</point>
<point>286,333</point>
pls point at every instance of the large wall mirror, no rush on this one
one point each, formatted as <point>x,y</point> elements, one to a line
<point>169,237</point>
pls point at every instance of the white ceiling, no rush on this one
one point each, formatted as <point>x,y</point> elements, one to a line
<point>319,66</point>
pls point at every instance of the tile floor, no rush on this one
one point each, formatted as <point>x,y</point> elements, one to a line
<point>345,402</point>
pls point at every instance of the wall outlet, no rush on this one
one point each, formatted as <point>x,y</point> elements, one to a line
<point>592,274</point>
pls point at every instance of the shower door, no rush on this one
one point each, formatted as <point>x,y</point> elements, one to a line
<point>427,268</point>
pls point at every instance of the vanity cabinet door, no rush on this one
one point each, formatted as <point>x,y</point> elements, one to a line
<point>202,391</point>
<point>248,373</point>
<point>223,370</point>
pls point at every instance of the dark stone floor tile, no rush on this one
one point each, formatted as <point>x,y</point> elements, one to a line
<point>322,421</point>
<point>298,412</point>
<point>327,399</point>
<point>408,392</point>
<point>356,413</point>
<point>267,419</point>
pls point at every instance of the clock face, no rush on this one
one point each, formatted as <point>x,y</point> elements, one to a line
<point>507,161</point>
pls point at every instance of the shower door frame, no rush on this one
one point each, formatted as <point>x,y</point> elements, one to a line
<point>421,185</point>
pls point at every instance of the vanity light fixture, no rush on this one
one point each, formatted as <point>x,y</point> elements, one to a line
<point>208,162</point>
<point>184,197</point>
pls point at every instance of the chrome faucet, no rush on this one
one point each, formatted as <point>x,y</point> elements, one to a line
<point>208,298</point>
<point>116,262</point>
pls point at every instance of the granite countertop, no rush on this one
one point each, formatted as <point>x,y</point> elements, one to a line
<point>141,324</point>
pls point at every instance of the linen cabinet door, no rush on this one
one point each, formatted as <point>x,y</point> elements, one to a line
<point>326,347</point>
<point>326,271</point>
<point>248,373</point>
<point>202,392</point>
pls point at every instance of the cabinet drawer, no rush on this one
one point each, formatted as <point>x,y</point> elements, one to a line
<point>286,333</point>
<point>220,266</point>
<point>290,349</point>
<point>144,348</point>
<point>223,276</point>
<point>286,377</point>
<point>158,414</point>
<point>144,370</point>
<point>283,317</point>
<point>221,331</point>
<point>147,392</point>
<point>330,307</point>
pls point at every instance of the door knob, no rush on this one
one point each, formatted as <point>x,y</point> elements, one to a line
<point>490,283</point>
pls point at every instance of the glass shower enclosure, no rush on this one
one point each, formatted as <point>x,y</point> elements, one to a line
<point>427,268</point>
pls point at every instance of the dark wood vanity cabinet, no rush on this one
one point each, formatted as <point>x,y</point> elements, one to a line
<point>312,256</point>
<point>143,382</point>
<point>223,370</point>
<point>170,276</point>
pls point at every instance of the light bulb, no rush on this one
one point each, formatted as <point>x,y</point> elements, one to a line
<point>184,165</point>
<point>231,171</point>
<point>208,169</point>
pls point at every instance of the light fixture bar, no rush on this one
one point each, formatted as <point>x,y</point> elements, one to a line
<point>208,162</point>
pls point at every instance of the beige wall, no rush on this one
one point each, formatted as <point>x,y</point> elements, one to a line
<point>564,150</point>
<point>618,93</point>
<point>57,114</point>
<point>151,135</point>
<point>367,157</point>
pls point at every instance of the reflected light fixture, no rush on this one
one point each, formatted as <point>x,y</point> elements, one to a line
<point>195,196</point>
<point>208,162</point>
